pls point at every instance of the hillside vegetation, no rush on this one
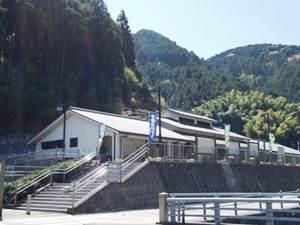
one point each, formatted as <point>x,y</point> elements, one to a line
<point>236,87</point>
<point>273,69</point>
<point>73,52</point>
<point>186,80</point>
<point>66,51</point>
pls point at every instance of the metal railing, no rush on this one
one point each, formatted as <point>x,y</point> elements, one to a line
<point>116,171</point>
<point>181,206</point>
<point>193,153</point>
<point>43,157</point>
<point>50,172</point>
<point>22,165</point>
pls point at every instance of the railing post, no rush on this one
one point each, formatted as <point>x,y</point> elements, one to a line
<point>235,207</point>
<point>26,170</point>
<point>28,204</point>
<point>217,213</point>
<point>260,205</point>
<point>148,154</point>
<point>269,213</point>
<point>179,210</point>
<point>108,171</point>
<point>183,213</point>
<point>163,211</point>
<point>16,194</point>
<point>120,170</point>
<point>173,211</point>
<point>281,198</point>
<point>51,173</point>
<point>204,210</point>
<point>73,197</point>
<point>298,195</point>
<point>64,173</point>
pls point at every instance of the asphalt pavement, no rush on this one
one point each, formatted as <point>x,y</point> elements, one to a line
<point>134,217</point>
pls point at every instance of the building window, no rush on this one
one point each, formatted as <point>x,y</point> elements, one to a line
<point>203,124</point>
<point>52,144</point>
<point>186,121</point>
<point>73,142</point>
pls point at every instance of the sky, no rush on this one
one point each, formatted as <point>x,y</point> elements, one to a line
<point>210,27</point>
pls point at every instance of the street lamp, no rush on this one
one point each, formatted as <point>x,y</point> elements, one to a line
<point>156,93</point>
<point>265,118</point>
<point>62,107</point>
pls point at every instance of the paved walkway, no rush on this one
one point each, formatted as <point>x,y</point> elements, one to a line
<point>134,217</point>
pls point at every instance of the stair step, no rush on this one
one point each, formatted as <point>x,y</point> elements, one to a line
<point>51,202</point>
<point>49,206</point>
<point>44,209</point>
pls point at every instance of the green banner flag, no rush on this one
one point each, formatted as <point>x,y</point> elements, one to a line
<point>271,141</point>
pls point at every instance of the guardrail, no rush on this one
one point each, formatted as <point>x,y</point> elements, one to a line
<point>228,205</point>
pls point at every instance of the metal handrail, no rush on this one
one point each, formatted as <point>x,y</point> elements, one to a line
<point>35,180</point>
<point>133,157</point>
<point>86,181</point>
<point>235,194</point>
<point>90,177</point>
<point>80,162</point>
<point>53,171</point>
<point>135,153</point>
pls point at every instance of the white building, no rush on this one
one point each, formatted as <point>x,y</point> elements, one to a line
<point>125,134</point>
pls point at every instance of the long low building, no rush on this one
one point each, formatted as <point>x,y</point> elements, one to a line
<point>184,135</point>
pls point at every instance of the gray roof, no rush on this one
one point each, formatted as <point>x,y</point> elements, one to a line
<point>213,130</point>
<point>124,124</point>
<point>275,147</point>
<point>194,115</point>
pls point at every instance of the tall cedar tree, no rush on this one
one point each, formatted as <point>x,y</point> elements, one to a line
<point>128,46</point>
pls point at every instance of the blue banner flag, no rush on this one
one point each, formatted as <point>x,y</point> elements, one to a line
<point>153,125</point>
<point>101,133</point>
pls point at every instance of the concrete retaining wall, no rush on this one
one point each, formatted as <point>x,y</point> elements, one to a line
<point>141,190</point>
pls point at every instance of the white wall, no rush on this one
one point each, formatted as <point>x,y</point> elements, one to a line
<point>83,129</point>
<point>130,145</point>
<point>171,115</point>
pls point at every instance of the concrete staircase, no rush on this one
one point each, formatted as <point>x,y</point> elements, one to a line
<point>52,198</point>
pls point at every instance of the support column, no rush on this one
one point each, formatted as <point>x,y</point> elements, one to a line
<point>163,211</point>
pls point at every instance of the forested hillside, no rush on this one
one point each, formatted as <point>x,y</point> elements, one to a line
<point>253,113</point>
<point>236,87</point>
<point>185,80</point>
<point>66,51</point>
<point>274,69</point>
<point>73,52</point>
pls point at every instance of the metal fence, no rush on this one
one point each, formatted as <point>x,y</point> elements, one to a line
<point>193,153</point>
<point>215,206</point>
<point>24,164</point>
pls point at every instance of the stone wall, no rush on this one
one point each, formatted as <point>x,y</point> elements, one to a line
<point>141,190</point>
